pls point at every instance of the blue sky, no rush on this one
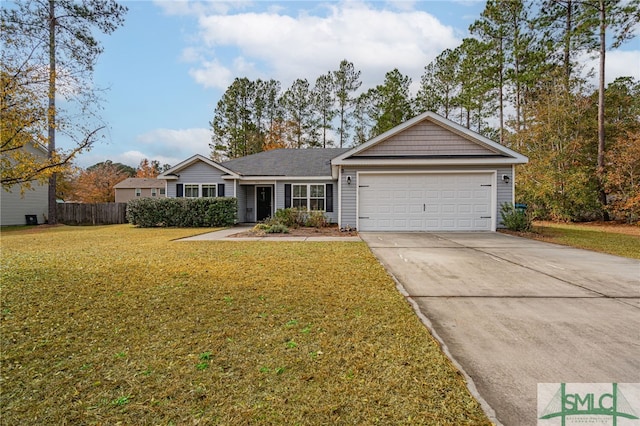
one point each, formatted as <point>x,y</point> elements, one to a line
<point>168,66</point>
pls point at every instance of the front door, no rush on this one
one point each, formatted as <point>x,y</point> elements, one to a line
<point>263,202</point>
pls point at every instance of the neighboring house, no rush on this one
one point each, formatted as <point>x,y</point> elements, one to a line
<point>427,174</point>
<point>30,207</point>
<point>131,188</point>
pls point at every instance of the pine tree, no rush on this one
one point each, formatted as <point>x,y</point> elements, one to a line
<point>59,34</point>
<point>347,82</point>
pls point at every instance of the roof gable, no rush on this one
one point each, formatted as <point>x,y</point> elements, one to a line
<point>430,137</point>
<point>427,139</point>
<point>172,173</point>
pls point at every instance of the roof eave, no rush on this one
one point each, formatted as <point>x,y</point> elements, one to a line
<point>283,178</point>
<point>354,161</point>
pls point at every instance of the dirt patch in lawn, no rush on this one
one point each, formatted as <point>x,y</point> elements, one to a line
<point>328,231</point>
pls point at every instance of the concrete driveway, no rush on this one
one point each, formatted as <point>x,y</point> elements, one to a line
<point>513,312</point>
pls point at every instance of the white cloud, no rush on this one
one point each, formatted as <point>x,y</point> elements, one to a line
<point>621,63</point>
<point>212,74</point>
<point>304,46</point>
<point>168,146</point>
<point>172,146</point>
<point>618,63</point>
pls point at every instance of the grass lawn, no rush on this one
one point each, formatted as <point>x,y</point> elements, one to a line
<point>616,239</point>
<point>119,325</point>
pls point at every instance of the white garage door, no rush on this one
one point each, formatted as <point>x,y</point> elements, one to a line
<point>425,202</point>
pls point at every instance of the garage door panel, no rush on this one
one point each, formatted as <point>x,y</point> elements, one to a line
<point>448,195</point>
<point>448,209</point>
<point>465,209</point>
<point>429,202</point>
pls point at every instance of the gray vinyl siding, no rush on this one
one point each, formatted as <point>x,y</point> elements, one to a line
<point>331,216</point>
<point>199,173</point>
<point>348,199</point>
<point>14,206</point>
<point>426,138</point>
<point>250,201</point>
<point>35,201</point>
<point>504,192</point>
<point>242,203</point>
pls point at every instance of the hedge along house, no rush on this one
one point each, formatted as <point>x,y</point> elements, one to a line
<point>427,174</point>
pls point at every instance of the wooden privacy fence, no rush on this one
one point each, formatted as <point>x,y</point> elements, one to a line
<point>92,214</point>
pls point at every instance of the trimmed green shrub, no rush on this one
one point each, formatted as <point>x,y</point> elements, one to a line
<point>265,228</point>
<point>515,219</point>
<point>277,229</point>
<point>316,219</point>
<point>182,212</point>
<point>289,217</point>
<point>296,217</point>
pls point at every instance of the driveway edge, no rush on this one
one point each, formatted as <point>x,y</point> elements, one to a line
<point>488,410</point>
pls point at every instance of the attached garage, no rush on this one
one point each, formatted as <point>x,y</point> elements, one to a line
<point>426,201</point>
<point>427,174</point>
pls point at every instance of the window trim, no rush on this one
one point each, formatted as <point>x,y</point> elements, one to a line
<point>308,196</point>
<point>138,192</point>
<point>187,186</point>
<point>154,192</point>
<point>294,198</point>
<point>208,186</point>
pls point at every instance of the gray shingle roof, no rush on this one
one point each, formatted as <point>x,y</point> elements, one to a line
<point>286,162</point>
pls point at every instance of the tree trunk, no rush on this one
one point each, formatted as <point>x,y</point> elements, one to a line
<point>600,171</point>
<point>567,45</point>
<point>501,89</point>
<point>51,113</point>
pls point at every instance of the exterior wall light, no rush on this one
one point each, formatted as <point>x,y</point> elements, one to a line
<point>506,178</point>
<point>348,180</point>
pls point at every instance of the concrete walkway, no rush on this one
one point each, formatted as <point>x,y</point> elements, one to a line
<point>226,234</point>
<point>513,312</point>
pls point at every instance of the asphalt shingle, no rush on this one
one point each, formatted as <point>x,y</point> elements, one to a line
<point>286,162</point>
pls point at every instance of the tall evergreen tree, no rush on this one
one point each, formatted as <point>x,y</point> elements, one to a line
<point>561,28</point>
<point>297,108</point>
<point>324,104</point>
<point>440,84</point>
<point>391,102</point>
<point>234,129</point>
<point>347,82</point>
<point>60,36</point>
<point>476,94</point>
<point>273,115</point>
<point>362,123</point>
<point>615,19</point>
<point>492,28</point>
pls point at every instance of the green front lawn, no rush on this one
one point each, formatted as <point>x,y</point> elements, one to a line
<point>119,325</point>
<point>619,240</point>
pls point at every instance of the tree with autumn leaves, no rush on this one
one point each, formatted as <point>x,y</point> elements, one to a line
<point>95,184</point>
<point>49,52</point>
